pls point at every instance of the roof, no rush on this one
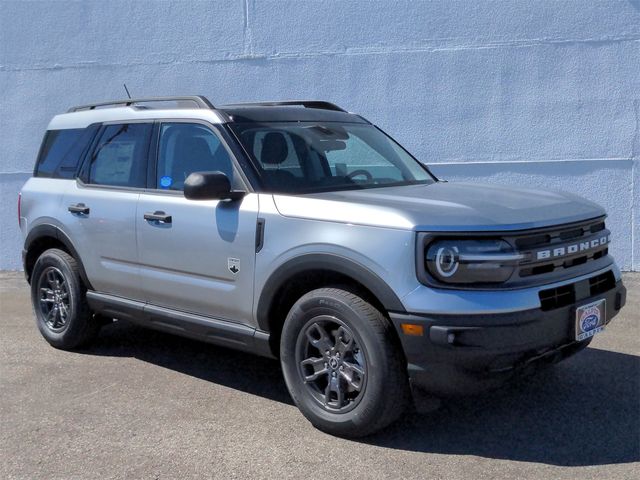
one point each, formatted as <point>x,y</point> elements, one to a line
<point>260,113</point>
<point>85,118</point>
<point>198,107</point>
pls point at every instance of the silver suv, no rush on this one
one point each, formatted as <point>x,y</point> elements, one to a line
<point>300,231</point>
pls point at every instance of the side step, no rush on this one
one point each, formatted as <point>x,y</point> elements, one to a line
<point>198,327</point>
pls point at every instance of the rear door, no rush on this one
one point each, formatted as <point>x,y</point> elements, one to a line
<point>196,256</point>
<point>100,207</point>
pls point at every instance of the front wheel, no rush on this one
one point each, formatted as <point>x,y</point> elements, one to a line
<point>342,363</point>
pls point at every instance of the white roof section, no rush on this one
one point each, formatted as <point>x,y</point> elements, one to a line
<point>84,118</point>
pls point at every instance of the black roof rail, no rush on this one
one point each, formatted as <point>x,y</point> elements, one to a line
<point>319,104</point>
<point>199,101</point>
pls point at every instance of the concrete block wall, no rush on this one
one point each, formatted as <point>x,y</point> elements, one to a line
<point>535,93</point>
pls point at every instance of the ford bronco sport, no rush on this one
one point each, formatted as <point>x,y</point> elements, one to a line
<point>299,231</point>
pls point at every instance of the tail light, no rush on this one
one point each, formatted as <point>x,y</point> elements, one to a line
<point>19,206</point>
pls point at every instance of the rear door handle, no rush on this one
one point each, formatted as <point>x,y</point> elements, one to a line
<point>157,216</point>
<point>80,208</point>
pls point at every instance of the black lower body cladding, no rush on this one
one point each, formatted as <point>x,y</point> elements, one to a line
<point>458,355</point>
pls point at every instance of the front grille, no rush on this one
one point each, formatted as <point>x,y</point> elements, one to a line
<point>539,256</point>
<point>561,248</point>
<point>601,283</point>
<point>566,295</point>
<point>557,297</point>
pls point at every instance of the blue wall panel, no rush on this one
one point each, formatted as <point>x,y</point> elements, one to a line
<point>535,93</point>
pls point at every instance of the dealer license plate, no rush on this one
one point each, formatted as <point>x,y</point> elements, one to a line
<point>590,319</point>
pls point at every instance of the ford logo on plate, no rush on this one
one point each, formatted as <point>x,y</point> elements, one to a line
<point>589,322</point>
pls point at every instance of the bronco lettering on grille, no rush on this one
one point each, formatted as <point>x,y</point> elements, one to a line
<point>572,248</point>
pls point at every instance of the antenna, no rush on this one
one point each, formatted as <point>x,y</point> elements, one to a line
<point>126,90</point>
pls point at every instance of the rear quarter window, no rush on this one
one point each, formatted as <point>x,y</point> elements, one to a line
<point>61,152</point>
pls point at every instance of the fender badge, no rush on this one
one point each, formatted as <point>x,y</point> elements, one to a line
<point>233,264</point>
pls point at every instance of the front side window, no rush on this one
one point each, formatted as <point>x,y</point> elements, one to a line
<point>186,148</point>
<point>305,157</point>
<point>120,157</point>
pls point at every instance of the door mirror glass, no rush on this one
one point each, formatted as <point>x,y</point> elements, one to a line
<point>210,186</point>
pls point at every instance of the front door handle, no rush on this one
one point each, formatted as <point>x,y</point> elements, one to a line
<point>80,208</point>
<point>157,216</point>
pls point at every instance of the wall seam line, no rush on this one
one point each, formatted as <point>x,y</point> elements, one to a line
<point>249,55</point>
<point>633,216</point>
<point>499,162</point>
<point>634,154</point>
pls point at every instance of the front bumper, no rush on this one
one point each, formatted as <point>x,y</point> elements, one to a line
<point>464,354</point>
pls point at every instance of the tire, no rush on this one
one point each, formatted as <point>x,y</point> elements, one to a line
<point>353,394</point>
<point>58,296</point>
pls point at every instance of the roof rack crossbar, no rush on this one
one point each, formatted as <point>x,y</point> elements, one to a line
<point>319,104</point>
<point>199,101</point>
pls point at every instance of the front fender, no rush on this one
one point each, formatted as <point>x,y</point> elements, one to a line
<point>330,262</point>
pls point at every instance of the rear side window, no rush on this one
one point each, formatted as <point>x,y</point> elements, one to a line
<point>61,152</point>
<point>120,156</point>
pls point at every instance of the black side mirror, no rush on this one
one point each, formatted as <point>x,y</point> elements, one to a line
<point>210,186</point>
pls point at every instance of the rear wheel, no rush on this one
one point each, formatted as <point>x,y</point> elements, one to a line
<point>342,363</point>
<point>59,301</point>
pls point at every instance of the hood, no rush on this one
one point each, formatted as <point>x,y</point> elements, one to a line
<point>442,206</point>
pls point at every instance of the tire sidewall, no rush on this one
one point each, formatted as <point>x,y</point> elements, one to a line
<point>377,363</point>
<point>52,259</point>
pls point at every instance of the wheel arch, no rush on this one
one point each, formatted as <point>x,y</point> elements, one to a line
<point>44,237</point>
<point>317,271</point>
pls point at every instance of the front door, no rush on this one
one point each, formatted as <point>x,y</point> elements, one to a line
<point>196,256</point>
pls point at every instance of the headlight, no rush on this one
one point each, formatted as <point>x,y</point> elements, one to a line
<point>471,261</point>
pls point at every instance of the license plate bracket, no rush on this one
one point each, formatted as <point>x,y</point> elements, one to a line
<point>590,319</point>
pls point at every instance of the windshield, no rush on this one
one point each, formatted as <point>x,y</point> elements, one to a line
<point>305,157</point>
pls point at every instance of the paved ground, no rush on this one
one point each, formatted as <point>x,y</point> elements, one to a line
<point>141,404</point>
